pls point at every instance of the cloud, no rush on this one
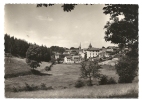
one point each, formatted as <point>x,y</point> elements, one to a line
<point>44,18</point>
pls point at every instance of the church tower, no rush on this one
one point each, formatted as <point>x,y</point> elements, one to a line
<point>80,47</point>
<point>90,46</point>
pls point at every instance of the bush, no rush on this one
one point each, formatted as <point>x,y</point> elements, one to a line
<point>79,84</point>
<point>111,81</point>
<point>32,87</point>
<point>105,80</point>
<point>127,69</point>
<point>43,86</point>
<point>14,89</point>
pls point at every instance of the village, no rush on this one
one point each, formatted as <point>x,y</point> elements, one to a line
<point>77,55</point>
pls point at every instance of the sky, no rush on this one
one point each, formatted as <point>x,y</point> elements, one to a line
<point>52,26</point>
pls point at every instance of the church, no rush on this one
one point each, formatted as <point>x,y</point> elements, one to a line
<point>92,52</point>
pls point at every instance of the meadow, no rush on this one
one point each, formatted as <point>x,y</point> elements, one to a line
<point>62,79</point>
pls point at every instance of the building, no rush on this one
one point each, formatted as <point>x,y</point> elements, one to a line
<point>68,59</point>
<point>67,52</point>
<point>103,53</point>
<point>92,52</point>
<point>76,58</point>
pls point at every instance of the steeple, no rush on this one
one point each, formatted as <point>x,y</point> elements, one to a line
<point>90,46</point>
<point>80,47</point>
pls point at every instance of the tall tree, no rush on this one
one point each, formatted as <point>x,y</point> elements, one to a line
<point>125,33</point>
<point>122,31</point>
<point>33,56</point>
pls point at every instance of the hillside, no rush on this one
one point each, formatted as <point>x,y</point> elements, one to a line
<point>62,79</point>
<point>16,67</point>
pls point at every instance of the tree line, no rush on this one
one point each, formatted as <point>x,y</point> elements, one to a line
<point>21,48</point>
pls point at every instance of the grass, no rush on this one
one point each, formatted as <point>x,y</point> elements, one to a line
<point>16,67</point>
<point>62,78</point>
<point>104,91</point>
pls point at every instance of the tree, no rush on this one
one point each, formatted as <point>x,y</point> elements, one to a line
<point>124,31</point>
<point>85,56</point>
<point>33,56</point>
<point>66,7</point>
<point>127,69</point>
<point>16,47</point>
<point>90,70</point>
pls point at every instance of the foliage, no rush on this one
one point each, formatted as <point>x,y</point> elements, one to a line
<point>79,84</point>
<point>15,46</point>
<point>59,59</point>
<point>57,49</point>
<point>105,80</point>
<point>18,47</point>
<point>32,87</point>
<point>53,60</point>
<point>85,56</point>
<point>124,32</point>
<point>66,7</point>
<point>111,81</point>
<point>90,70</point>
<point>33,56</point>
<point>127,69</point>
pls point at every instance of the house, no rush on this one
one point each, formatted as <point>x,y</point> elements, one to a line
<point>68,59</point>
<point>67,52</point>
<point>57,55</point>
<point>73,52</point>
<point>72,59</point>
<point>110,48</point>
<point>92,52</point>
<point>103,53</point>
<point>76,58</point>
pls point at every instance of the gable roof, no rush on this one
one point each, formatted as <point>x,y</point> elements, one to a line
<point>69,57</point>
<point>93,49</point>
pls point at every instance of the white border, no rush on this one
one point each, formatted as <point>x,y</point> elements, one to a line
<point>61,2</point>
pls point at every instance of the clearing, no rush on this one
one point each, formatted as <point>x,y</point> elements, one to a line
<point>62,78</point>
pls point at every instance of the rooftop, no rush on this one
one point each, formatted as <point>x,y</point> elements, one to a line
<point>93,49</point>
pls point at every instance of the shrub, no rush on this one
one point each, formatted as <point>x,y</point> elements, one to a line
<point>126,68</point>
<point>14,89</point>
<point>43,86</point>
<point>111,81</point>
<point>32,87</point>
<point>79,84</point>
<point>28,87</point>
<point>103,80</point>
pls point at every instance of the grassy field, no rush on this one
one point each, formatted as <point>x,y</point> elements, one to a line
<point>62,78</point>
<point>102,91</point>
<point>16,67</point>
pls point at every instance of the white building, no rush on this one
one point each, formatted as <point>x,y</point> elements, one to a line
<point>68,59</point>
<point>92,52</point>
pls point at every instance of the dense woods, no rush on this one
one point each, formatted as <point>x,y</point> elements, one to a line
<point>19,47</point>
<point>14,46</point>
